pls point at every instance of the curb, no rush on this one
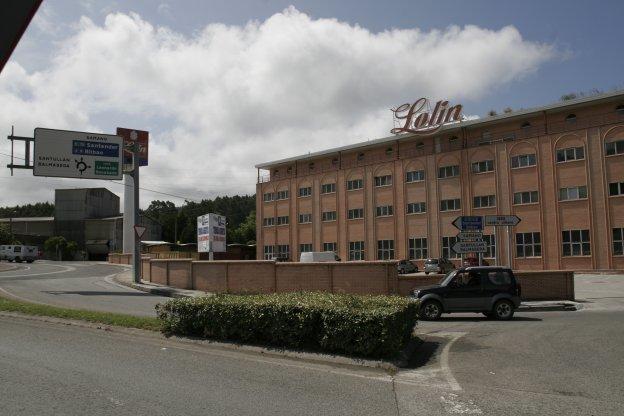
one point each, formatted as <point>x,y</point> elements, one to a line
<point>552,307</point>
<point>154,290</point>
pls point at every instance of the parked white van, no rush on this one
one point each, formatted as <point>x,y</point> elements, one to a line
<point>19,253</point>
<point>318,256</point>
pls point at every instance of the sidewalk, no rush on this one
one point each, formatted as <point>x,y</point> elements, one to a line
<point>125,279</point>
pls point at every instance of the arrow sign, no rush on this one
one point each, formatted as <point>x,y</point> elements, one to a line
<point>470,236</point>
<point>502,220</point>
<point>469,223</point>
<point>463,247</point>
<point>139,230</point>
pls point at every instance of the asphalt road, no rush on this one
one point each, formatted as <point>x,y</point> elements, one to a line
<point>538,364</point>
<point>81,285</point>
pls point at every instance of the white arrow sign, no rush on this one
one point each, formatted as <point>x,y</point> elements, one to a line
<point>139,230</point>
<point>462,247</point>
<point>470,236</point>
<point>502,220</point>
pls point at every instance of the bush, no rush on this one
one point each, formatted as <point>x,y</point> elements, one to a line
<point>371,326</point>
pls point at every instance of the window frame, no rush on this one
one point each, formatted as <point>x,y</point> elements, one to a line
<point>532,244</point>
<point>358,181</point>
<point>305,216</point>
<point>357,251</point>
<point>416,176</point>
<point>583,245</point>
<point>529,157</point>
<point>285,195</point>
<point>618,148</point>
<point>488,163</point>
<point>422,208</point>
<point>570,189</point>
<point>325,214</point>
<point>332,244</point>
<point>304,246</point>
<point>279,220</point>
<point>268,222</point>
<point>421,248</point>
<point>446,202</point>
<point>447,243</point>
<point>379,211</point>
<point>271,197</point>
<point>385,250</point>
<point>353,210</point>
<point>454,169</point>
<point>308,194</point>
<point>565,152</point>
<point>332,188</point>
<point>620,189</point>
<point>619,241</point>
<point>383,180</point>
<point>530,194</point>
<point>480,198</point>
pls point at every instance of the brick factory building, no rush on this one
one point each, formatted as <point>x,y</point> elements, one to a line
<point>559,168</point>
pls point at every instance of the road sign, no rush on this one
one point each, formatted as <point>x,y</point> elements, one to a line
<point>469,223</point>
<point>502,220</point>
<point>462,247</point>
<point>211,234</point>
<point>76,154</point>
<point>130,136</point>
<point>470,236</point>
<point>139,230</point>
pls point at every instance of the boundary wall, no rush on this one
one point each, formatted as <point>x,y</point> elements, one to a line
<point>365,277</point>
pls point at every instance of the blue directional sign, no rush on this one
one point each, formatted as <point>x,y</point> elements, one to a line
<point>469,223</point>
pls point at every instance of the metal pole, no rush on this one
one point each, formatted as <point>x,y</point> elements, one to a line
<point>496,248</point>
<point>509,245</point>
<point>135,176</point>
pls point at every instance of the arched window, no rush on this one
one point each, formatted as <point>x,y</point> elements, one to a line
<point>453,139</point>
<point>620,109</point>
<point>570,118</point>
<point>311,166</point>
<point>335,161</point>
<point>525,125</point>
<point>420,145</point>
<point>389,151</point>
<point>360,157</point>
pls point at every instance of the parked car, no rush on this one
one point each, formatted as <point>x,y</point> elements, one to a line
<point>19,253</point>
<point>474,262</point>
<point>279,258</point>
<point>318,256</point>
<point>490,290</point>
<point>440,265</point>
<point>406,266</point>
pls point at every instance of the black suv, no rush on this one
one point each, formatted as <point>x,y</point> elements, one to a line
<point>492,291</point>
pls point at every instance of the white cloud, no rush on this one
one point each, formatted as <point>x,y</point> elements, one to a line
<point>229,97</point>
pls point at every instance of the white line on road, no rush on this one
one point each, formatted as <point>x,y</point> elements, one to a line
<point>65,269</point>
<point>444,360</point>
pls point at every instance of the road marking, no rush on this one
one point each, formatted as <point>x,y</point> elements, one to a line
<point>444,361</point>
<point>65,269</point>
<point>14,296</point>
<point>452,404</point>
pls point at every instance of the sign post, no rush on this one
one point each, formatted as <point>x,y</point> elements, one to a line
<point>504,221</point>
<point>211,234</point>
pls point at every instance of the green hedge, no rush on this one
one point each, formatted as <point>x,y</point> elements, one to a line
<point>371,326</point>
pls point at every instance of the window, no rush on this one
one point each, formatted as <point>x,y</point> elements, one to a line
<point>417,248</point>
<point>490,246</point>
<point>616,188</point>
<point>384,211</point>
<point>522,161</point>
<point>447,243</point>
<point>416,207</point>
<point>618,241</point>
<point>528,197</point>
<point>305,191</point>
<point>268,252</point>
<point>415,176</point>
<point>356,250</point>
<point>483,166</point>
<point>525,125</point>
<point>496,278</point>
<point>619,109</point>
<point>385,249</point>
<point>283,251</point>
<point>528,245</point>
<point>448,171</point>
<point>354,184</point>
<point>484,201</point>
<point>450,204</point>
<point>330,247</point>
<point>305,218</point>
<point>281,195</point>
<point>575,243</point>
<point>575,192</point>
<point>305,248</point>
<point>356,213</point>
<point>328,188</point>
<point>329,216</point>
<point>268,197</point>
<point>570,118</point>
<point>268,222</point>
<point>283,220</point>
<point>614,148</point>
<point>385,180</point>
<point>569,154</point>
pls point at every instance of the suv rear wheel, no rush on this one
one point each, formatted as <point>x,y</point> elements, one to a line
<point>503,310</point>
<point>430,310</point>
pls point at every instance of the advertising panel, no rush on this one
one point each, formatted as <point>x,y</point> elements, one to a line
<point>211,233</point>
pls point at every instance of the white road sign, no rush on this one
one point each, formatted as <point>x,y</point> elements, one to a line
<point>211,233</point>
<point>462,247</point>
<point>502,220</point>
<point>470,235</point>
<point>75,154</point>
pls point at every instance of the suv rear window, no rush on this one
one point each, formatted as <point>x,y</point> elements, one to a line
<point>499,277</point>
<point>17,249</point>
<point>432,261</point>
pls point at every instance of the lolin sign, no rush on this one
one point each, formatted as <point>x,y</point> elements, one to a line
<point>418,120</point>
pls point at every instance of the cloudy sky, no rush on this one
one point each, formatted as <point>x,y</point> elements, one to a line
<point>222,86</point>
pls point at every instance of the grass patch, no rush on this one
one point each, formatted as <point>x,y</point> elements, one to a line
<point>107,318</point>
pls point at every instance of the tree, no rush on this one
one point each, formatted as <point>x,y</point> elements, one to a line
<point>5,235</point>
<point>492,113</point>
<point>59,248</point>
<point>246,232</point>
<point>40,209</point>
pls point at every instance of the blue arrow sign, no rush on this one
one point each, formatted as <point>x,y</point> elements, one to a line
<point>469,223</point>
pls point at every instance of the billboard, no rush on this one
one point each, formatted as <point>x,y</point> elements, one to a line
<point>211,233</point>
<point>143,138</point>
<point>77,154</point>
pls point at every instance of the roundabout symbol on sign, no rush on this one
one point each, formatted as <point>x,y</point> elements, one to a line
<point>81,165</point>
